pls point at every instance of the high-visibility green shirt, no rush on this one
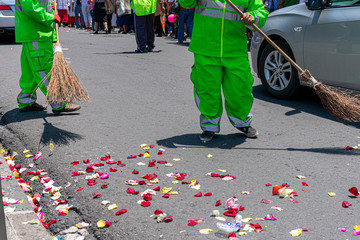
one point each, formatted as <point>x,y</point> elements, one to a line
<point>34,21</point>
<point>144,7</point>
<point>217,29</point>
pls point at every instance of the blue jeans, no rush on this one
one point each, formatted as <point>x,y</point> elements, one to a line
<point>185,16</point>
<point>93,20</point>
<point>77,12</point>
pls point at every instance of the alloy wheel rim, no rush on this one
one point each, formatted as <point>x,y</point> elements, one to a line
<point>277,71</point>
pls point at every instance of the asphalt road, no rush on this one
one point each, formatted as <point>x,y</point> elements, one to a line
<point>148,98</point>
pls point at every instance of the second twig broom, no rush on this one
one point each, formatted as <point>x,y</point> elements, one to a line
<point>343,105</point>
<point>65,86</point>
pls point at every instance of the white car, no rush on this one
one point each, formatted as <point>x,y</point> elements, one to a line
<point>7,17</point>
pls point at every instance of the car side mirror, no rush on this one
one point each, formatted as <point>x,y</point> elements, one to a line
<point>315,4</point>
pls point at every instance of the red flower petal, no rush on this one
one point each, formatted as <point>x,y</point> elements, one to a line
<point>108,223</point>
<point>257,227</point>
<point>218,203</point>
<point>294,194</point>
<point>160,153</point>
<point>241,208</point>
<point>349,148</point>
<point>162,162</point>
<point>158,212</point>
<point>8,177</point>
<point>62,214</point>
<point>122,211</point>
<point>285,185</point>
<point>132,191</point>
<point>75,163</point>
<point>131,156</point>
<point>135,172</point>
<point>231,212</point>
<point>152,146</point>
<point>103,158</point>
<point>147,197</point>
<point>140,155</point>
<point>304,184</point>
<point>113,170</point>
<point>168,219</point>
<point>119,162</point>
<point>145,203</point>
<point>122,165</point>
<point>232,235</point>
<point>79,189</point>
<point>276,189</point>
<point>96,195</point>
<point>354,191</point>
<point>166,195</point>
<point>208,194</point>
<point>198,194</point>
<point>345,204</point>
<point>152,163</point>
<point>157,188</point>
<point>91,183</point>
<point>142,182</point>
<point>268,184</point>
<point>111,162</point>
<point>87,161</point>
<point>192,223</point>
<point>104,186</point>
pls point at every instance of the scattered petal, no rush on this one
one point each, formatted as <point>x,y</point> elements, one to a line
<point>304,184</point>
<point>38,155</point>
<point>174,193</point>
<point>166,195</point>
<point>168,219</point>
<point>245,192</point>
<point>145,203</point>
<point>296,232</point>
<point>285,191</point>
<point>345,204</point>
<point>218,203</point>
<point>105,202</point>
<point>105,176</point>
<point>277,208</point>
<point>342,229</point>
<point>332,194</point>
<point>176,159</point>
<point>166,190</point>
<point>96,195</point>
<point>79,189</point>
<point>300,177</point>
<point>209,194</point>
<point>354,191</point>
<point>122,211</point>
<point>135,172</point>
<point>198,194</point>
<point>268,184</point>
<point>192,223</point>
<point>147,155</point>
<point>29,156</point>
<point>215,213</point>
<point>112,207</point>
<point>206,231</point>
<point>209,156</point>
<point>270,217</point>
<point>102,224</point>
<point>26,150</point>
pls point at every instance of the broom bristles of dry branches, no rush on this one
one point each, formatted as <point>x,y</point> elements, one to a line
<point>65,86</point>
<point>343,105</point>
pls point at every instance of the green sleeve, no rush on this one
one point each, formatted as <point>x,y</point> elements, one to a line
<point>257,10</point>
<point>188,3</point>
<point>32,9</point>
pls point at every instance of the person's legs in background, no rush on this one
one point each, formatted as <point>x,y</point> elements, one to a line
<point>189,19</point>
<point>181,27</point>
<point>150,34</point>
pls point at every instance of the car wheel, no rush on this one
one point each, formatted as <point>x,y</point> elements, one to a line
<point>278,77</point>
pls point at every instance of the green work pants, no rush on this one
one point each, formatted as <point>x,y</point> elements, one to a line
<point>36,63</point>
<point>233,74</point>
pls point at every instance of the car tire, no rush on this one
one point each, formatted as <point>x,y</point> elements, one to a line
<point>279,78</point>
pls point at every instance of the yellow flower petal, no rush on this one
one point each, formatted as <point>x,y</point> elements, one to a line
<point>26,150</point>
<point>193,183</point>
<point>143,145</point>
<point>332,194</point>
<point>246,220</point>
<point>166,190</point>
<point>285,191</point>
<point>174,193</point>
<point>205,231</point>
<point>101,224</point>
<point>168,165</point>
<point>300,177</point>
<point>296,232</point>
<point>356,227</point>
<point>146,148</point>
<point>112,207</point>
<point>29,156</point>
<point>146,155</point>
<point>209,156</point>
<point>2,151</point>
<point>176,159</point>
<point>242,233</point>
<point>222,170</point>
<point>52,147</point>
<point>34,178</point>
<point>175,182</point>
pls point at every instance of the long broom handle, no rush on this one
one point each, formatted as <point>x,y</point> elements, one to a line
<point>56,25</point>
<point>267,38</point>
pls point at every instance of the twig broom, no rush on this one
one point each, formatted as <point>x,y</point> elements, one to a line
<point>343,105</point>
<point>65,86</point>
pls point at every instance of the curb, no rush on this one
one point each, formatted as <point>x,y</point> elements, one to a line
<point>17,214</point>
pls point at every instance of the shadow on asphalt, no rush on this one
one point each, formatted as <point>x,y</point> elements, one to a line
<point>308,102</point>
<point>232,141</point>
<point>132,52</point>
<point>51,134</point>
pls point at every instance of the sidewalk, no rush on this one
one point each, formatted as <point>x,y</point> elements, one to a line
<point>17,214</point>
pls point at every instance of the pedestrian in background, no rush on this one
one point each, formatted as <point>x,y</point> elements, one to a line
<point>109,14</point>
<point>71,12</point>
<point>273,5</point>
<point>287,3</point>
<point>221,62</point>
<point>185,16</point>
<point>78,14</point>
<point>100,14</point>
<point>34,28</point>
<point>85,10</point>
<point>92,15</point>
<point>124,20</point>
<point>144,24</point>
<point>62,7</point>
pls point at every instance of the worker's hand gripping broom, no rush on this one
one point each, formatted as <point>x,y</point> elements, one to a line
<point>342,105</point>
<point>65,86</point>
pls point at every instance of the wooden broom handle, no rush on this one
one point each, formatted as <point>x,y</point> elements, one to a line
<point>56,26</point>
<point>267,38</point>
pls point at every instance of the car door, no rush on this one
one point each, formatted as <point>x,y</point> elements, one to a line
<point>332,44</point>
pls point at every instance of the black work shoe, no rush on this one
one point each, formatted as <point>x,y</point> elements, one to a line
<point>141,50</point>
<point>150,49</point>
<point>207,136</point>
<point>250,132</point>
<point>33,107</point>
<point>68,108</point>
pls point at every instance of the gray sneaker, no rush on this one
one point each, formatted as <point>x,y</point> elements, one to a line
<point>250,132</point>
<point>207,136</point>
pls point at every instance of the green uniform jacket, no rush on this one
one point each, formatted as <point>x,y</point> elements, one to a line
<point>144,7</point>
<point>218,31</point>
<point>34,21</point>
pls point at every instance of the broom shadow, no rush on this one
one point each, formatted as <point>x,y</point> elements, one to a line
<point>57,136</point>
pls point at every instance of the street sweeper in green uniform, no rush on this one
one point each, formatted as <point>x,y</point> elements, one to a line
<point>219,44</point>
<point>34,28</point>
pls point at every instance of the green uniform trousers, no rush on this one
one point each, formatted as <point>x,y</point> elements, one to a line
<point>36,63</point>
<point>233,74</point>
